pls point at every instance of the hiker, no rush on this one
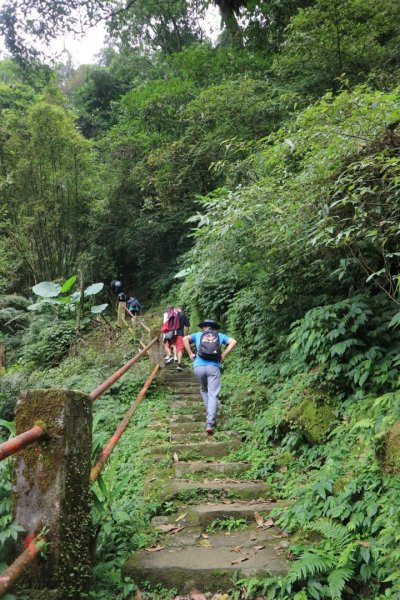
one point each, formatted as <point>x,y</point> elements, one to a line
<point>169,328</point>
<point>134,307</point>
<point>116,286</point>
<point>183,329</point>
<point>207,364</point>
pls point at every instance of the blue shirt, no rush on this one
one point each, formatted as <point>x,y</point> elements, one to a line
<point>201,362</point>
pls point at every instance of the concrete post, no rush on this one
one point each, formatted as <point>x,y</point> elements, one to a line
<point>52,486</point>
<point>121,321</point>
<point>156,354</point>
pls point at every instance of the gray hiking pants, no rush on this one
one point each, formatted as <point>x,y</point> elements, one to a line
<point>209,377</point>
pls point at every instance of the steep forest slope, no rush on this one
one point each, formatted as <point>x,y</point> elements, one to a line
<point>254,178</point>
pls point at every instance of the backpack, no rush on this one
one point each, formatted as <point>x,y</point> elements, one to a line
<point>173,322</point>
<point>210,346</point>
<point>133,303</point>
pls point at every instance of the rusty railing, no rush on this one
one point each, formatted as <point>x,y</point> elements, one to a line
<point>36,433</point>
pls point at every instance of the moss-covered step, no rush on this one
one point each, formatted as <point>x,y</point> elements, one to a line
<point>192,426</point>
<point>216,467</point>
<point>186,564</point>
<point>190,403</point>
<point>207,513</point>
<point>243,490</point>
<point>199,436</point>
<point>206,448</point>
<point>187,384</point>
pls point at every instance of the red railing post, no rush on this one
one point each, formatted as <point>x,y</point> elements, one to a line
<point>121,428</point>
<point>22,440</point>
<point>19,566</point>
<point>108,382</point>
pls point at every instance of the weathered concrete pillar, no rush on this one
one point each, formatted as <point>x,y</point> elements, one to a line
<point>156,354</point>
<point>52,485</point>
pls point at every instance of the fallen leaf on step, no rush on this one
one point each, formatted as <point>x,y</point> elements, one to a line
<point>206,480</point>
<point>166,528</point>
<point>176,458</point>
<point>257,548</point>
<point>197,596</point>
<point>154,548</point>
<point>176,530</point>
<point>259,520</point>
<point>253,538</point>
<point>236,549</point>
<point>180,517</point>
<point>204,536</point>
<point>239,560</point>
<point>269,523</point>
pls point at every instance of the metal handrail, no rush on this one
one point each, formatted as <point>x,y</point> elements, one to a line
<point>20,564</point>
<point>121,428</point>
<point>37,432</point>
<point>108,382</point>
<point>21,441</point>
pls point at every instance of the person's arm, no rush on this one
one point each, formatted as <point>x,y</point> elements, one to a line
<point>186,326</point>
<point>231,344</point>
<point>187,340</point>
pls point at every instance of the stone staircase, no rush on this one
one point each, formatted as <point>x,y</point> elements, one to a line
<point>220,525</point>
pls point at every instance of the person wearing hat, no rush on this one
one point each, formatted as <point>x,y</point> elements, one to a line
<point>207,364</point>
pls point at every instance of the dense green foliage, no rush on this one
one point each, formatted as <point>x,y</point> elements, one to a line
<point>256,179</point>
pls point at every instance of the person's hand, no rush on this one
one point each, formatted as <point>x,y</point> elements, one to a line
<point>192,356</point>
<point>221,360</point>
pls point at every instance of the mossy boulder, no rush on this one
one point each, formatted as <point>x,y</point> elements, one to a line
<point>284,459</point>
<point>313,416</point>
<point>391,454</point>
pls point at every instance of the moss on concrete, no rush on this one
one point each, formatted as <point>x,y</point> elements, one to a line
<point>313,415</point>
<point>51,484</point>
<point>391,453</point>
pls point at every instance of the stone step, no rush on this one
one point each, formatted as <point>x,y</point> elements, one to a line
<point>185,564</point>
<point>216,467</point>
<point>187,403</point>
<point>192,426</point>
<point>242,490</point>
<point>200,434</point>
<point>207,448</point>
<point>204,514</point>
<point>179,377</point>
<point>184,383</point>
<point>187,418</point>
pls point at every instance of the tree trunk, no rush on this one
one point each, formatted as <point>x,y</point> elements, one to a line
<point>228,10</point>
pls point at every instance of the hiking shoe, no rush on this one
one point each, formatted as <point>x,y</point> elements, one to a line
<point>169,360</point>
<point>209,429</point>
<point>179,368</point>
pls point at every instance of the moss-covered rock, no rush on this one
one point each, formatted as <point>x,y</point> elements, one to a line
<point>391,454</point>
<point>313,415</point>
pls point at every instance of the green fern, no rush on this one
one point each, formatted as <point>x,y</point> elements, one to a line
<point>337,534</point>
<point>309,564</point>
<point>337,580</point>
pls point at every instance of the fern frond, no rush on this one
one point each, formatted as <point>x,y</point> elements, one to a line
<point>337,534</point>
<point>308,564</point>
<point>337,580</point>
